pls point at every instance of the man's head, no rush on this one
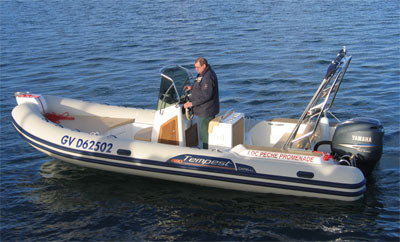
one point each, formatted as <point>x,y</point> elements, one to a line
<point>200,64</point>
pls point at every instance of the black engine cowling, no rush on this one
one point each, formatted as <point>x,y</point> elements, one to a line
<point>361,137</point>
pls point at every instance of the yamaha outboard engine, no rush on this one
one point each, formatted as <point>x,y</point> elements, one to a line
<point>358,142</point>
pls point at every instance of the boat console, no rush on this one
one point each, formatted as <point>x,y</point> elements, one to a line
<point>174,125</point>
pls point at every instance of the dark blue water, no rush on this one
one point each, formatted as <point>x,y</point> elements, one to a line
<point>270,57</point>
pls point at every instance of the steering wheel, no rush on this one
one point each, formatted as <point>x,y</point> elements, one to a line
<point>188,111</point>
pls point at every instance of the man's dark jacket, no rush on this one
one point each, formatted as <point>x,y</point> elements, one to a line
<point>205,97</point>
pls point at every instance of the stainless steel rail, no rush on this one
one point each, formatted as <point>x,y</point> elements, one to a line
<point>322,100</point>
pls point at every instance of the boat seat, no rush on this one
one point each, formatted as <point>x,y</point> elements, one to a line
<point>281,141</point>
<point>302,144</point>
<point>114,124</point>
<point>95,123</point>
<point>284,120</point>
<point>144,134</point>
<point>284,138</point>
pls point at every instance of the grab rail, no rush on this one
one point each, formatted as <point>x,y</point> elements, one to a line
<point>316,107</point>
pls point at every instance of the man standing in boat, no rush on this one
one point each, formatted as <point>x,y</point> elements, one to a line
<point>205,97</point>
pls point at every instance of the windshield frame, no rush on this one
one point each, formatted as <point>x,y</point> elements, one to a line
<point>172,73</point>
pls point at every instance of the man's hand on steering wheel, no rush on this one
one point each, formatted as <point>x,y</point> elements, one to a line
<point>187,88</point>
<point>188,105</point>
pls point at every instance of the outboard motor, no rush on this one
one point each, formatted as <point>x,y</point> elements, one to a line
<point>358,142</point>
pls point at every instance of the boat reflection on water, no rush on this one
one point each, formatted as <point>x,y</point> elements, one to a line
<point>68,192</point>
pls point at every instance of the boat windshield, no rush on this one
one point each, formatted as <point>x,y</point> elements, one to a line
<point>173,81</point>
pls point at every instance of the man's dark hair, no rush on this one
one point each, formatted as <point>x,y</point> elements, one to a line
<point>201,61</point>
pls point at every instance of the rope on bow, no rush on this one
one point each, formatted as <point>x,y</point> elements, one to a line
<point>55,118</point>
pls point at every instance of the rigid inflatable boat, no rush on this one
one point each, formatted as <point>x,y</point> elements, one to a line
<point>314,156</point>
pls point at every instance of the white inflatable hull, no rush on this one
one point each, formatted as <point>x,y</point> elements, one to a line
<point>107,137</point>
